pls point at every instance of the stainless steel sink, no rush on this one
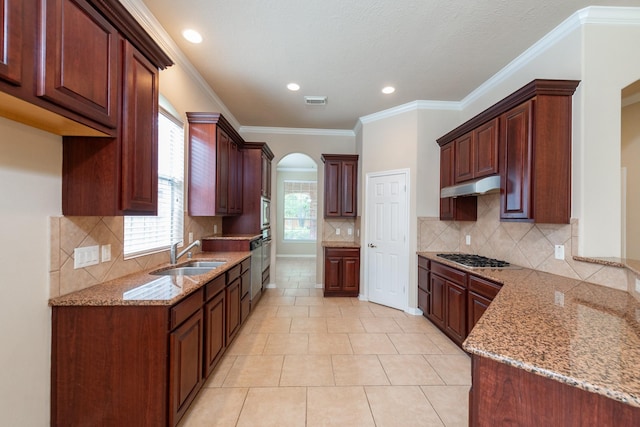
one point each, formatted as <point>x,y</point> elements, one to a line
<point>192,268</point>
<point>208,264</point>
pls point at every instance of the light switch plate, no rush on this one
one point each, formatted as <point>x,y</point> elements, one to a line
<point>86,256</point>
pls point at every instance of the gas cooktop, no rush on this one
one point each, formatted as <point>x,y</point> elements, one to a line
<point>475,261</point>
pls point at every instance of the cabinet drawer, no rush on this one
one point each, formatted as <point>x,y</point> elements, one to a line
<point>245,283</point>
<point>233,273</point>
<point>423,262</point>
<point>452,274</point>
<point>484,287</point>
<point>214,286</point>
<point>342,252</point>
<point>245,265</point>
<point>185,308</point>
<point>265,275</point>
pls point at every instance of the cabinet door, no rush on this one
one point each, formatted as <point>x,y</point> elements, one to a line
<point>139,134</point>
<point>264,186</point>
<point>436,311</point>
<point>423,290</point>
<point>351,275</point>
<point>332,273</point>
<point>215,331</point>
<point>456,313</point>
<point>332,186</point>
<point>486,149</point>
<point>235,179</point>
<point>516,179</point>
<point>233,309</point>
<point>185,365</point>
<point>446,179</point>
<point>11,27</point>
<point>79,68</point>
<point>223,151</point>
<point>464,158</point>
<point>477,305</point>
<point>349,183</point>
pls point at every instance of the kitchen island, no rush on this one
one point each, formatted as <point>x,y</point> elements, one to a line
<point>554,351</point>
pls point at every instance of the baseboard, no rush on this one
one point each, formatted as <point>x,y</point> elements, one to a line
<point>318,285</point>
<point>296,256</point>
<point>413,311</point>
<point>363,298</point>
<point>271,286</point>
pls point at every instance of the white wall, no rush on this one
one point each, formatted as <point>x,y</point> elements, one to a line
<point>30,192</point>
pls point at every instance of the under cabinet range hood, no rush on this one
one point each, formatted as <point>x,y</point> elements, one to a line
<point>486,185</point>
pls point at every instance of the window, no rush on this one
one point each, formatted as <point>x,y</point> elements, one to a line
<point>148,234</point>
<point>300,208</point>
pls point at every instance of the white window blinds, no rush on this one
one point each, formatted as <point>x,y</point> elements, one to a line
<point>148,234</point>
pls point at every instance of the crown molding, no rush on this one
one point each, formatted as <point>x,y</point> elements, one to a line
<point>145,18</point>
<point>589,15</point>
<point>410,106</point>
<point>297,131</point>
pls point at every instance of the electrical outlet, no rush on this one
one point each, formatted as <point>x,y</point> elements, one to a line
<point>358,233</point>
<point>559,252</point>
<point>337,231</point>
<point>86,256</point>
<point>215,228</point>
<point>637,285</point>
<point>349,231</point>
<point>106,253</point>
<point>467,239</point>
<point>190,237</point>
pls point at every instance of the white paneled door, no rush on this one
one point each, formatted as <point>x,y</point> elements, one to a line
<point>387,243</point>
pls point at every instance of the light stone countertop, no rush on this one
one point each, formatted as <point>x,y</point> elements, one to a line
<point>171,289</point>
<point>339,244</point>
<point>575,332</point>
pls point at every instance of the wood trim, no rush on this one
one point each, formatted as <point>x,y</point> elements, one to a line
<point>218,120</point>
<point>534,88</point>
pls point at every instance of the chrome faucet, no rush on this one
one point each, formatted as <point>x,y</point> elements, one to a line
<point>174,250</point>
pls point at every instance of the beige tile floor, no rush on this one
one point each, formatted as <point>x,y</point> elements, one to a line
<point>304,360</point>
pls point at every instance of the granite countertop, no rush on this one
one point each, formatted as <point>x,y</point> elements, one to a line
<point>233,237</point>
<point>146,289</point>
<point>575,332</point>
<point>339,244</point>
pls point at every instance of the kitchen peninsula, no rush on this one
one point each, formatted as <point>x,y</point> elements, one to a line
<point>551,350</point>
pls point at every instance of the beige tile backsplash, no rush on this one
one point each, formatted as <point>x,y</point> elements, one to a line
<point>70,232</point>
<point>525,244</point>
<point>331,226</point>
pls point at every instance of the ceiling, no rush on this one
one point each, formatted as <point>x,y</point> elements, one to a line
<point>437,50</point>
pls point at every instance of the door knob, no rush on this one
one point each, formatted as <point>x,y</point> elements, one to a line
<point>371,245</point>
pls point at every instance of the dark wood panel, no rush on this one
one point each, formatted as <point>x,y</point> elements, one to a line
<point>351,275</point>
<point>487,288</point>
<point>456,311</point>
<point>233,310</point>
<point>11,28</point>
<point>457,276</point>
<point>139,127</point>
<point>124,380</point>
<point>213,287</point>
<point>486,144</point>
<point>80,63</point>
<point>215,331</point>
<point>423,301</point>
<point>185,308</point>
<point>332,186</point>
<point>516,143</point>
<point>505,395</point>
<point>460,208</point>
<point>202,168</point>
<point>185,372</point>
<point>223,245</point>
<point>464,158</point>
<point>223,153</point>
<point>349,183</point>
<point>332,273</point>
<point>476,306</point>
<point>437,307</point>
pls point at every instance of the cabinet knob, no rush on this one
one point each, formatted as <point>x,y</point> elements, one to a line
<point>371,245</point>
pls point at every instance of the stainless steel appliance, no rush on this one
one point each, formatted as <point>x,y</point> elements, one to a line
<point>265,212</point>
<point>266,249</point>
<point>476,261</point>
<point>256,269</point>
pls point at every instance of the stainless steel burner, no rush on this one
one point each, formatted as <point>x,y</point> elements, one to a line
<point>475,261</point>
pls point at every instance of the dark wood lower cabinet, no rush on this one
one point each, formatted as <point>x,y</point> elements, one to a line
<point>140,365</point>
<point>185,377</point>
<point>505,395</point>
<point>477,305</point>
<point>341,271</point>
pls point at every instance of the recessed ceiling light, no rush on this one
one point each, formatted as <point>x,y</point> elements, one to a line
<point>388,89</point>
<point>192,35</point>
<point>293,86</point>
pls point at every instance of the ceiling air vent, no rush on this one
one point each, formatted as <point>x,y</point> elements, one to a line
<point>315,100</point>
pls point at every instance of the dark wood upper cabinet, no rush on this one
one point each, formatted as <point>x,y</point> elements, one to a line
<point>526,138</point>
<point>340,185</point>
<point>118,176</point>
<point>215,166</point>
<point>460,208</point>
<point>79,70</point>
<point>11,23</point>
